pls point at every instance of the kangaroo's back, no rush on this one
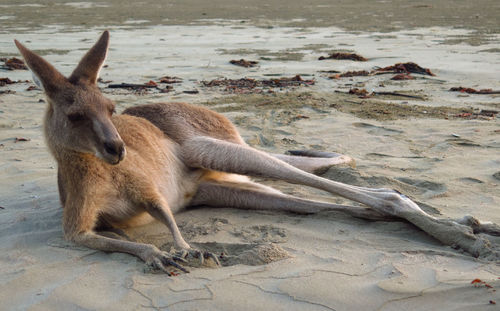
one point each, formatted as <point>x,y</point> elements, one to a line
<point>181,121</point>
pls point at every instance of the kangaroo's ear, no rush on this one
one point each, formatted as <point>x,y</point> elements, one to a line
<point>90,65</point>
<point>44,74</point>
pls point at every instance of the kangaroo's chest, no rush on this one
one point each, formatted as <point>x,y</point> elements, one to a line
<point>145,176</point>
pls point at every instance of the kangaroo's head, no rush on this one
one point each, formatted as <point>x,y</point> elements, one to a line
<point>79,116</point>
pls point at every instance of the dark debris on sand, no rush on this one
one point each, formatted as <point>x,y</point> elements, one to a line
<point>13,64</point>
<point>347,74</point>
<point>170,80</point>
<point>359,92</point>
<point>7,92</point>
<point>248,85</point>
<point>405,68</point>
<point>141,88</point>
<point>32,88</point>
<point>343,55</point>
<point>5,81</point>
<point>244,63</point>
<point>402,70</point>
<point>150,86</point>
<point>469,90</point>
<point>482,114</point>
<point>363,93</point>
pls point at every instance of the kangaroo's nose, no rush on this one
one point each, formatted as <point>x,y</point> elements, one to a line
<point>115,148</point>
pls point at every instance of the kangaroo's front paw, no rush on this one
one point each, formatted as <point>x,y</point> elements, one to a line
<point>159,260</point>
<point>201,255</point>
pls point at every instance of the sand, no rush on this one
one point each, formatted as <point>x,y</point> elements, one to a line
<point>427,148</point>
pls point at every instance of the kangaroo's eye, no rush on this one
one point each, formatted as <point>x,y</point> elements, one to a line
<point>76,117</point>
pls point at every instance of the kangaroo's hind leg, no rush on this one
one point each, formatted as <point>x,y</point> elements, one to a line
<point>214,154</point>
<point>254,196</point>
<point>313,161</point>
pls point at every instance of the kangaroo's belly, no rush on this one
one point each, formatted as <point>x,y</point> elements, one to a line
<point>178,183</point>
<point>164,175</point>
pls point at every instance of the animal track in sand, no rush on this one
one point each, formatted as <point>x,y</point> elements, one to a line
<point>257,248</point>
<point>253,234</point>
<point>428,187</point>
<point>262,233</point>
<point>192,229</point>
<point>231,254</point>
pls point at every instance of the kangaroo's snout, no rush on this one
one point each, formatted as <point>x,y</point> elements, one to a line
<point>115,151</point>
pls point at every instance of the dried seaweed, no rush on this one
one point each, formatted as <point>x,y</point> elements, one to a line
<point>402,70</point>
<point>346,74</point>
<point>5,81</point>
<point>343,55</point>
<point>482,114</point>
<point>363,93</point>
<point>405,68</point>
<point>469,90</point>
<point>13,64</point>
<point>244,63</point>
<point>170,80</point>
<point>237,83</point>
<point>286,82</point>
<point>248,85</point>
<point>141,88</point>
<point>359,92</point>
<point>19,139</point>
<point>133,86</point>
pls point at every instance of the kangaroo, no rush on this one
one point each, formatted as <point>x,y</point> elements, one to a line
<point>117,171</point>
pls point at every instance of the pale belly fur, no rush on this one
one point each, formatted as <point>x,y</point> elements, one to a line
<point>173,179</point>
<point>176,182</point>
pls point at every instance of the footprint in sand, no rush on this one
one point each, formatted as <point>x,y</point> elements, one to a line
<point>262,233</point>
<point>257,248</point>
<point>427,187</point>
<point>191,230</point>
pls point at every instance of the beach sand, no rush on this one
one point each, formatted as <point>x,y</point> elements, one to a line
<point>439,149</point>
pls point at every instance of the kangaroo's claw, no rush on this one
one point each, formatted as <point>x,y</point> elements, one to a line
<point>161,260</point>
<point>195,253</point>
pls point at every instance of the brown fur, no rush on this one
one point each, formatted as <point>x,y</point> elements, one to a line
<point>156,159</point>
<point>181,121</point>
<point>97,183</point>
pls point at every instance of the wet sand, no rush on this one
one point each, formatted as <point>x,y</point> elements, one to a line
<point>361,15</point>
<point>427,148</point>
